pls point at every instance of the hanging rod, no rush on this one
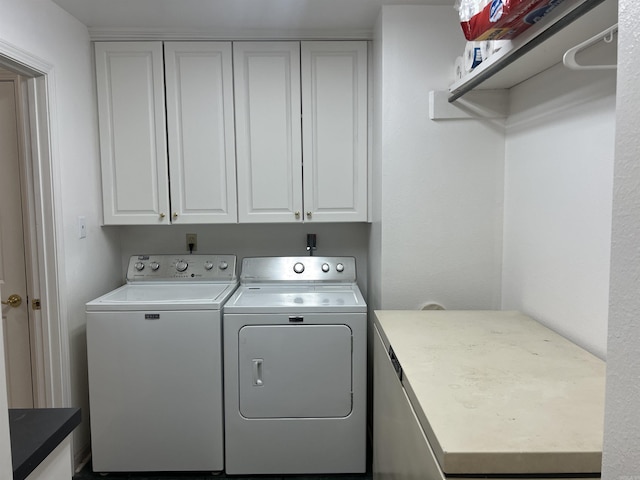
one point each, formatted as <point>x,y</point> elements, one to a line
<point>569,58</point>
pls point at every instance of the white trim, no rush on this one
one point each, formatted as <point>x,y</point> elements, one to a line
<point>51,335</point>
<point>157,34</point>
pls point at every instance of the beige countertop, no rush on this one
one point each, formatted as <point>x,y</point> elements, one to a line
<point>499,393</point>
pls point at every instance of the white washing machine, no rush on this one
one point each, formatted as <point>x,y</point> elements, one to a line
<point>295,368</point>
<point>154,350</point>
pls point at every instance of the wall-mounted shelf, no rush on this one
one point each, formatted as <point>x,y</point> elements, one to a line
<point>539,47</point>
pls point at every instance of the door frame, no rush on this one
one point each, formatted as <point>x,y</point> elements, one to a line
<point>43,246</point>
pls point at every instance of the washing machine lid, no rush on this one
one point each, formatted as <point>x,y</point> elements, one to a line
<point>309,298</point>
<point>164,296</point>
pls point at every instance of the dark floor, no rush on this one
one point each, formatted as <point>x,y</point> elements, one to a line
<point>87,474</point>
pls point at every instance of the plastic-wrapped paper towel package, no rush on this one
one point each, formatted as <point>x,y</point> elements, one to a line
<point>500,19</point>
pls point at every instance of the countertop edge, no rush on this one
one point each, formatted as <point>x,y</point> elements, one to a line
<point>28,452</point>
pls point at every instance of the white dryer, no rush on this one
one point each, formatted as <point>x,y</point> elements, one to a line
<point>295,368</point>
<point>154,349</point>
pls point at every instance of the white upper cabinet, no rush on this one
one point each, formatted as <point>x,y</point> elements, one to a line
<point>200,123</point>
<point>268,131</point>
<point>133,149</point>
<point>301,126</point>
<point>254,131</point>
<point>334,119</point>
<point>137,164</point>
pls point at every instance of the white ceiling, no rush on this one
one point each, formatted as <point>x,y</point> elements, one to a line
<point>233,15</point>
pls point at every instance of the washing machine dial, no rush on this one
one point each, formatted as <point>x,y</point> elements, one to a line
<point>325,267</point>
<point>208,265</point>
<point>139,266</point>
<point>181,265</point>
<point>223,265</point>
<point>340,268</point>
<point>298,267</point>
<point>154,266</point>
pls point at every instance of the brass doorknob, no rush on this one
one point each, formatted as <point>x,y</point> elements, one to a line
<point>14,301</point>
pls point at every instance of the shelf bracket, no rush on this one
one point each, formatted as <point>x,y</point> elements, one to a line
<point>477,104</point>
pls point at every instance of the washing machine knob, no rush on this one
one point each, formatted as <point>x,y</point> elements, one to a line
<point>298,267</point>
<point>154,266</point>
<point>325,267</point>
<point>181,265</point>
<point>139,266</point>
<point>223,265</point>
<point>340,267</point>
<point>208,265</point>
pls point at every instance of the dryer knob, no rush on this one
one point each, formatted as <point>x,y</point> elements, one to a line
<point>340,267</point>
<point>139,266</point>
<point>325,267</point>
<point>154,266</point>
<point>223,265</point>
<point>208,265</point>
<point>181,265</point>
<point>298,267</point>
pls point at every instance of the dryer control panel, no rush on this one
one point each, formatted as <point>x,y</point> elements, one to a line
<point>187,268</point>
<point>298,269</point>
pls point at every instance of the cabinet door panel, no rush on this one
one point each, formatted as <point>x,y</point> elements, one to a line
<point>334,112</point>
<point>130,90</point>
<point>268,131</point>
<point>200,124</point>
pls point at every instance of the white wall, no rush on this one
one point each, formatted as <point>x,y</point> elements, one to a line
<point>622,423</point>
<point>333,239</point>
<point>557,214</point>
<point>440,182</point>
<point>88,266</point>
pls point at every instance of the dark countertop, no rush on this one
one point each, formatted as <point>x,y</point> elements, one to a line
<point>35,433</point>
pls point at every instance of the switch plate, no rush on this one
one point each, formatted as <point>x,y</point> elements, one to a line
<point>192,238</point>
<point>82,227</point>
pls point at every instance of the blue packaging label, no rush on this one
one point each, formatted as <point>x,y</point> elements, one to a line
<point>495,13</point>
<point>537,14</point>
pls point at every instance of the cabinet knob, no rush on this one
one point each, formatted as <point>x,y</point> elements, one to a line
<point>162,215</point>
<point>308,214</point>
<point>175,214</point>
<point>297,214</point>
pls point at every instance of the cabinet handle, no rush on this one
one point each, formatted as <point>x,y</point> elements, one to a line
<point>297,214</point>
<point>308,214</point>
<point>175,214</point>
<point>162,215</point>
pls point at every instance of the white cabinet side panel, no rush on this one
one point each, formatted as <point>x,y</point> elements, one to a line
<point>268,131</point>
<point>200,124</point>
<point>400,448</point>
<point>334,108</point>
<point>130,89</point>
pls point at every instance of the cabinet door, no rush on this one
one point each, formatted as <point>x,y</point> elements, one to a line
<point>268,131</point>
<point>201,132</point>
<point>334,119</point>
<point>133,150</point>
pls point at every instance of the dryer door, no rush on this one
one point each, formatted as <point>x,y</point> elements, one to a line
<point>301,371</point>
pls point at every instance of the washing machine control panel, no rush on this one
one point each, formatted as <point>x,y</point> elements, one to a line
<point>309,269</point>
<point>187,268</point>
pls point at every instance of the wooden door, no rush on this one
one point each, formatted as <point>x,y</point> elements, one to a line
<point>15,317</point>
<point>268,131</point>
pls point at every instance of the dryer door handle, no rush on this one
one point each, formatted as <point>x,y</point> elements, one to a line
<point>257,372</point>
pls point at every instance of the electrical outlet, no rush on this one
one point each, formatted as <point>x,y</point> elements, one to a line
<point>192,239</point>
<point>82,227</point>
